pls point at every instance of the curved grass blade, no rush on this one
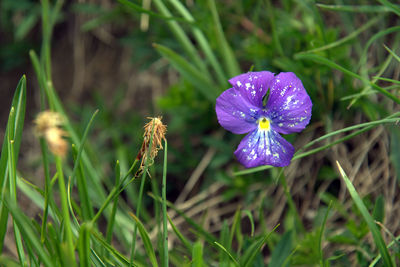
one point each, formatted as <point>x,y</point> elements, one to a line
<point>210,238</point>
<point>84,245</point>
<point>181,237</point>
<point>18,106</point>
<point>393,7</point>
<point>190,72</point>
<point>146,241</point>
<point>282,250</point>
<point>356,8</point>
<point>140,9</point>
<point>345,39</point>
<point>387,261</point>
<point>183,39</point>
<point>227,253</point>
<point>250,254</point>
<point>329,63</point>
<point>197,255</point>
<point>203,43</point>
<point>231,63</point>
<point>28,232</point>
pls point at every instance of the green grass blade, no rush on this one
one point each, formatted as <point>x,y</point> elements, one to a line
<point>28,232</point>
<point>197,255</point>
<point>12,171</point>
<point>140,9</point>
<point>111,221</point>
<point>393,7</point>
<point>164,208</point>
<point>181,237</point>
<point>321,234</point>
<point>182,38</point>
<point>392,53</point>
<point>380,244</point>
<point>15,126</point>
<point>282,250</point>
<point>356,8</point>
<point>210,238</point>
<point>189,72</point>
<point>329,63</point>
<point>203,43</point>
<point>110,248</point>
<point>146,241</point>
<point>224,250</point>
<point>231,63</point>
<point>252,251</point>
<point>345,39</point>
<point>84,245</point>
<point>250,216</point>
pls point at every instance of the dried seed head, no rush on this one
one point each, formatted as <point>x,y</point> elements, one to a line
<point>48,126</point>
<point>46,120</point>
<point>156,128</point>
<point>55,139</point>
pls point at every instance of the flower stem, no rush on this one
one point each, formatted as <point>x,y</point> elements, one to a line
<point>164,208</point>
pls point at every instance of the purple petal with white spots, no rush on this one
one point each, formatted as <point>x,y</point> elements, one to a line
<point>264,148</point>
<point>253,85</point>
<point>288,106</point>
<point>234,113</point>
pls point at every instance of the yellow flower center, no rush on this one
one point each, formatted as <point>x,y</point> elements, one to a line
<point>264,124</point>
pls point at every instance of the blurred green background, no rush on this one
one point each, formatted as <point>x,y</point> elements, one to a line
<point>131,64</point>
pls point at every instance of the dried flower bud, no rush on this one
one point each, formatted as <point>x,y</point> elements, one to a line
<point>156,128</point>
<point>48,126</point>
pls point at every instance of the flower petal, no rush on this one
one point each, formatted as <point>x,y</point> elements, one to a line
<point>288,106</point>
<point>253,85</point>
<point>264,148</point>
<point>234,113</point>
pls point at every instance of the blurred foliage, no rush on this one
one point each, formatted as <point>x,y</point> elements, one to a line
<point>205,51</point>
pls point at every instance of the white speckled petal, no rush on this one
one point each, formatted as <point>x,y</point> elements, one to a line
<point>236,114</point>
<point>253,85</point>
<point>264,148</point>
<point>288,106</point>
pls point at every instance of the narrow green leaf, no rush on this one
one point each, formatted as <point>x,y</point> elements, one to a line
<point>368,219</point>
<point>355,8</point>
<point>111,221</point>
<point>282,250</point>
<point>321,234</point>
<point>203,42</point>
<point>146,241</point>
<point>189,72</point>
<point>255,248</point>
<point>250,216</point>
<point>164,208</point>
<point>379,209</point>
<point>197,255</point>
<point>208,236</point>
<point>224,243</point>
<point>329,63</point>
<point>226,252</point>
<point>181,237</point>
<point>345,39</point>
<point>15,126</point>
<point>84,245</point>
<point>231,63</point>
<point>29,234</point>
<point>393,7</point>
<point>183,39</point>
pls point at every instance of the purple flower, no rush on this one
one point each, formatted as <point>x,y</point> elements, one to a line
<point>240,110</point>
